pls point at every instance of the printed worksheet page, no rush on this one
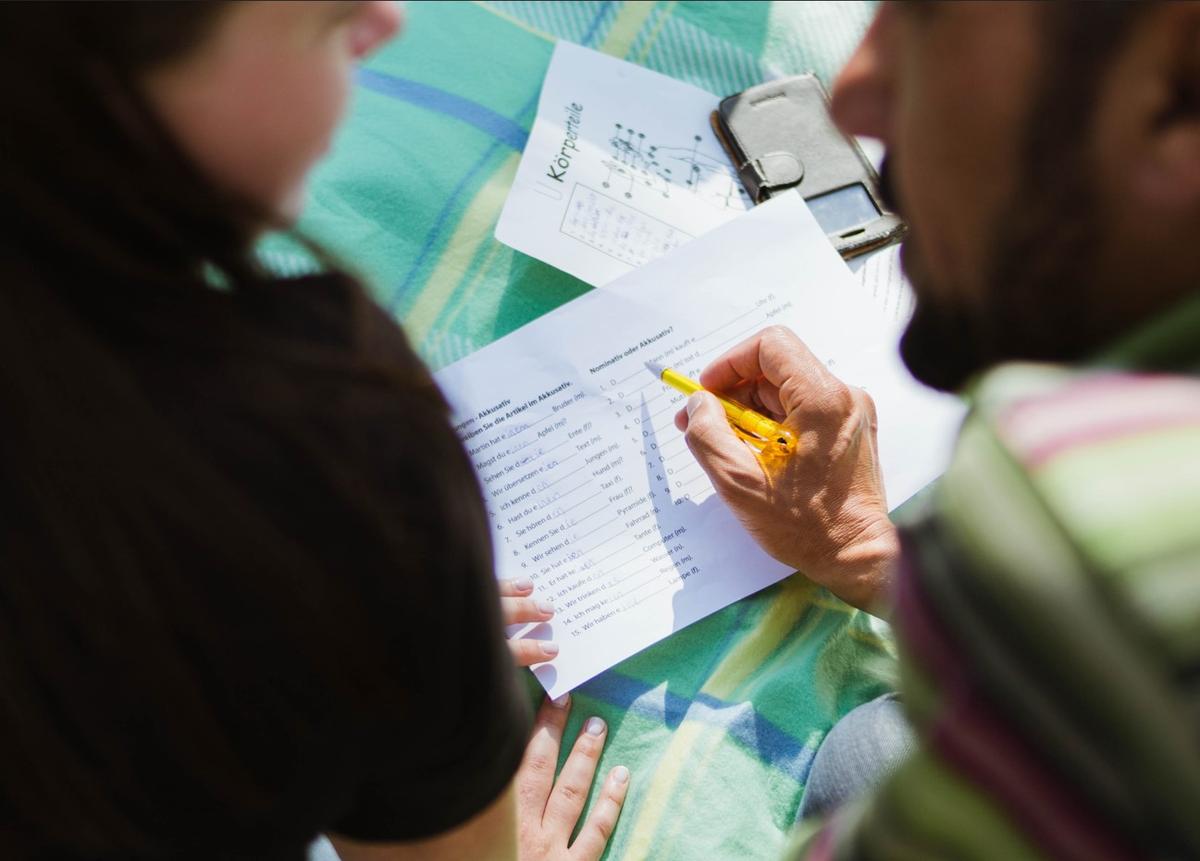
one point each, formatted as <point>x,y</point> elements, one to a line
<point>621,166</point>
<point>591,490</point>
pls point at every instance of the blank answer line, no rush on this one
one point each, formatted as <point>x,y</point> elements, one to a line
<point>620,580</point>
<point>720,344</point>
<point>598,528</point>
<point>599,510</point>
<point>568,475</point>
<point>641,370</point>
<point>678,437</point>
<point>671,406</point>
<point>621,565</point>
<point>727,323</point>
<point>610,555</point>
<point>650,595</point>
<point>582,501</point>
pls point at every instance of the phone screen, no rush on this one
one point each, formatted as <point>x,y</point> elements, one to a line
<point>843,208</point>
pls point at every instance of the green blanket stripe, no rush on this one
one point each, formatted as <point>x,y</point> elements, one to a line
<point>718,723</point>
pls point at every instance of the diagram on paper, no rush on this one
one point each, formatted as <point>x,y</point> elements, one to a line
<point>620,167</point>
<point>636,165</point>
<point>618,229</point>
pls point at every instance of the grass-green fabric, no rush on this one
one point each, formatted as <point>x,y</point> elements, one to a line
<point>718,723</point>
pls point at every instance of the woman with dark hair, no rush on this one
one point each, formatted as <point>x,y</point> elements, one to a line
<point>246,593</point>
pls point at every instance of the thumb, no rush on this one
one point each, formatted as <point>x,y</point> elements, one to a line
<point>718,450</point>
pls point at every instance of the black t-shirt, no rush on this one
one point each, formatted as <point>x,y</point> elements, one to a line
<point>366,690</point>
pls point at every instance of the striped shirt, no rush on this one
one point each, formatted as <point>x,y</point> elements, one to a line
<point>1048,612</point>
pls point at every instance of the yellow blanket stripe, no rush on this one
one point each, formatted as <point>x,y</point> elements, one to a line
<point>516,22</point>
<point>466,300</point>
<point>680,752</point>
<point>626,27</point>
<point>653,35</point>
<point>474,227</point>
<point>756,646</point>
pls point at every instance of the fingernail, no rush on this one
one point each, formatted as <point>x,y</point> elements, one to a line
<point>693,403</point>
<point>594,726</point>
<point>545,608</point>
<point>549,649</point>
<point>620,774</point>
<point>561,702</point>
<point>522,584</point>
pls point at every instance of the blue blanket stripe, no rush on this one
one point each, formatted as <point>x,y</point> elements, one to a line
<point>773,746</point>
<point>506,132</point>
<point>480,116</point>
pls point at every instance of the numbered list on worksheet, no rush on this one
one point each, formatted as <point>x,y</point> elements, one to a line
<point>590,488</point>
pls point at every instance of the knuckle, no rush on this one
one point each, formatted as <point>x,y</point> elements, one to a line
<point>539,763</point>
<point>777,332</point>
<point>833,398</point>
<point>864,407</point>
<point>867,404</point>
<point>571,792</point>
<point>587,747</point>
<point>605,825</point>
<point>842,398</point>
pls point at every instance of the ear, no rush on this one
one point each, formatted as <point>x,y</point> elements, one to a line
<point>1165,163</point>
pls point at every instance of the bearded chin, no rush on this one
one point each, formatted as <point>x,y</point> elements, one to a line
<point>938,346</point>
<point>1033,306</point>
<point>941,348</point>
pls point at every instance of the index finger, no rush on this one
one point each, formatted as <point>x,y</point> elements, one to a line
<point>535,777</point>
<point>775,354</point>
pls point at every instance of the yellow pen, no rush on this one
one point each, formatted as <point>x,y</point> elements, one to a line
<point>769,437</point>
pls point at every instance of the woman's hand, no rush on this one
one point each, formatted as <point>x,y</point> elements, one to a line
<point>821,510</point>
<point>517,607</point>
<point>548,810</point>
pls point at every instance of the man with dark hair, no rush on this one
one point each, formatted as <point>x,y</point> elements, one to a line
<point>1046,592</point>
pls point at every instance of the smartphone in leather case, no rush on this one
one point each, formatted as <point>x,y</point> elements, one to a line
<point>781,136</point>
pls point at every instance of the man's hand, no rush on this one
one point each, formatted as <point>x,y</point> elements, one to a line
<point>547,811</point>
<point>516,606</point>
<point>822,510</point>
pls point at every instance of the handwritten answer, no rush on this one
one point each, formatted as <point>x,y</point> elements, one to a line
<point>591,490</point>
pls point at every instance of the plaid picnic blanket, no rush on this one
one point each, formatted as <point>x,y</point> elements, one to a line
<point>718,723</point>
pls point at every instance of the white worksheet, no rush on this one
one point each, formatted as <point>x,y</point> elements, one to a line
<point>621,166</point>
<point>591,490</point>
<point>884,280</point>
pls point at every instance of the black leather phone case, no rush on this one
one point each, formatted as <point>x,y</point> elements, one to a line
<point>781,136</point>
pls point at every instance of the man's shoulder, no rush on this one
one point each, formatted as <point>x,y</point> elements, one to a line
<point>1104,450</point>
<point>1095,470</point>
